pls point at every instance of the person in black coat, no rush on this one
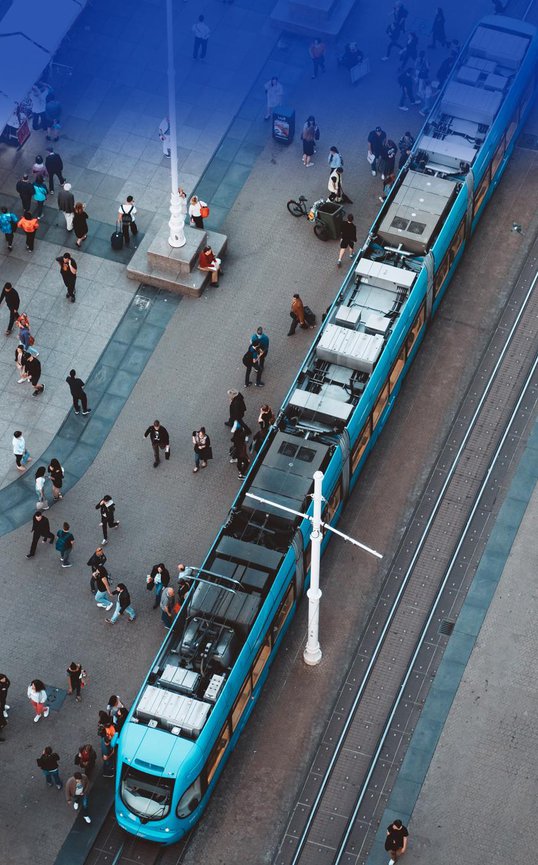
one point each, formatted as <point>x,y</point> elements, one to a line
<point>76,386</point>
<point>239,440</point>
<point>97,558</point>
<point>348,238</point>
<point>26,191</point>
<point>40,529</point>
<point>68,271</point>
<point>32,367</point>
<point>12,299</point>
<point>160,440</point>
<point>108,516</point>
<point>54,166</point>
<point>237,410</point>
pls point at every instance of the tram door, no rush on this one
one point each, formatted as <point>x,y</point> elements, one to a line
<point>346,465</point>
<point>298,549</point>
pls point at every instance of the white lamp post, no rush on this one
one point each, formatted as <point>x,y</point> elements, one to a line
<point>178,208</point>
<point>312,653</point>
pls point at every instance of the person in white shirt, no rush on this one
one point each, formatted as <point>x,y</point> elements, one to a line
<point>40,480</point>
<point>19,451</point>
<point>274,92</point>
<point>201,37</point>
<point>127,217</point>
<point>335,159</point>
<point>164,135</point>
<point>38,697</point>
<point>195,211</point>
<point>38,96</point>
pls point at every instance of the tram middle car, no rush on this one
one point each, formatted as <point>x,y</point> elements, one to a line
<point>210,669</point>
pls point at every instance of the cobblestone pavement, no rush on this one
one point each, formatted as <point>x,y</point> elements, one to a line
<point>169,513</point>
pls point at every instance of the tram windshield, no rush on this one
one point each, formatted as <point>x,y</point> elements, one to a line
<point>147,796</point>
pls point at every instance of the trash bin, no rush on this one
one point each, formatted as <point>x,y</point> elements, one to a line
<point>283,124</point>
<point>331,215</point>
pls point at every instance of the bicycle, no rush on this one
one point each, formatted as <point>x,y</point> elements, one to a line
<point>299,208</point>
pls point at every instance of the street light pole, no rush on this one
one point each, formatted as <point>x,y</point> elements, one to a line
<point>312,653</point>
<point>176,222</point>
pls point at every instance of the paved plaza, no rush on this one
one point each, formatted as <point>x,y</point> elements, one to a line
<point>179,370</point>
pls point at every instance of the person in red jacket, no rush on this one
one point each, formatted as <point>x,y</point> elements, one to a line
<point>209,263</point>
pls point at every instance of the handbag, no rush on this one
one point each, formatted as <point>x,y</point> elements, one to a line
<point>204,211</point>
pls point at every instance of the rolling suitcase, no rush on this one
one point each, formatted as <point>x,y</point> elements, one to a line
<point>309,316</point>
<point>116,238</point>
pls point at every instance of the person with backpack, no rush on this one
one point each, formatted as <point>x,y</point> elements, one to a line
<point>64,544</point>
<point>8,223</point>
<point>108,516</point>
<point>127,218</point>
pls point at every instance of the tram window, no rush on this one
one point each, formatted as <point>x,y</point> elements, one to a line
<point>457,241</point>
<point>241,702</point>
<point>441,274</point>
<point>497,159</point>
<point>415,329</point>
<point>380,403</point>
<point>361,444</point>
<point>218,750</point>
<point>261,660</point>
<point>283,613</point>
<point>333,503</point>
<point>481,192</point>
<point>526,97</point>
<point>511,129</point>
<point>396,370</point>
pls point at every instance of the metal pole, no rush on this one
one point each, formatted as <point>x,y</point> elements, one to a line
<point>176,223</point>
<point>312,652</point>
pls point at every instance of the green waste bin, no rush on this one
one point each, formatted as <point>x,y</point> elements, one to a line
<point>331,215</point>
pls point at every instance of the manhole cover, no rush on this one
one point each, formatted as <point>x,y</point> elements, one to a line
<point>55,697</point>
<point>446,627</point>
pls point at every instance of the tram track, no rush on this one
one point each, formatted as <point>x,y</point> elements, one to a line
<point>336,817</point>
<point>113,846</point>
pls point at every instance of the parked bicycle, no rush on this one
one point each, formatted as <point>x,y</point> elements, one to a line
<point>299,208</point>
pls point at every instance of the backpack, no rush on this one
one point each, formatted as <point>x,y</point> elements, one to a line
<point>126,218</point>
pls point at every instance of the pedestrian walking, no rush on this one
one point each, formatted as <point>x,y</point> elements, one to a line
<point>297,315</point>
<point>348,238</point>
<point>405,80</point>
<point>65,542</point>
<point>25,189</point>
<point>37,694</point>
<point>209,263</point>
<point>107,509</point>
<point>103,589</point>
<point>40,480</point>
<point>376,142</point>
<point>76,386</point>
<point>396,840</point>
<point>274,93</point>
<point>308,137</point>
<point>76,792</point>
<point>40,529</point>
<point>422,74</point>
<point>405,145</point>
<point>388,158</point>
<point>336,190</point>
<point>85,759</point>
<point>66,203</point>
<point>263,345</point>
<point>123,605</point>
<point>160,440</point>
<point>53,115</point>
<point>48,762</point>
<point>167,605</point>
<point>201,37</point>
<point>317,55</point>
<point>33,370</point>
<point>438,29</point>
<point>80,223</point>
<point>29,225</point>
<point>164,136</point>
<point>39,168</point>
<point>202,448</point>
<point>399,15</point>
<point>8,224</point>
<point>408,54</point>
<point>393,31</point>
<point>12,299</point>
<point>25,337</point>
<point>68,272</point>
<point>127,218</point>
<point>38,97</point>
<point>158,579</point>
<point>40,195</point>
<point>56,475</point>
<point>22,456</point>
<point>97,558</point>
<point>240,454</point>
<point>335,158</point>
<point>250,362</point>
<point>237,409</point>
<point>197,209</point>
<point>75,675</point>
<point>4,708</point>
<point>55,167</point>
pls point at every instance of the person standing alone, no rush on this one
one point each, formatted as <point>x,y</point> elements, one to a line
<point>54,166</point>
<point>48,763</point>
<point>12,299</point>
<point>68,271</point>
<point>76,386</point>
<point>126,215</point>
<point>201,37</point>
<point>66,203</point>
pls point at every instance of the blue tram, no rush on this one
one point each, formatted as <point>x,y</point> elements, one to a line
<point>209,671</point>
